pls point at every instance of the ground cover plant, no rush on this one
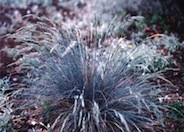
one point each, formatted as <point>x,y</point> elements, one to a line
<point>176,111</point>
<point>5,107</point>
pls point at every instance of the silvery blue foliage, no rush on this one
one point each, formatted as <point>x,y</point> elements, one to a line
<point>87,86</point>
<point>21,3</point>
<point>5,106</point>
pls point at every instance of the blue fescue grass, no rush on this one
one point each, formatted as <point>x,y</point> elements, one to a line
<point>6,108</point>
<point>86,89</point>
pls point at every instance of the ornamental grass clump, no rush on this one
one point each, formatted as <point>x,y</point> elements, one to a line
<point>83,85</point>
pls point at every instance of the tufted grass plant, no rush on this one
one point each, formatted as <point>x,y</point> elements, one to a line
<point>84,85</point>
<point>5,107</point>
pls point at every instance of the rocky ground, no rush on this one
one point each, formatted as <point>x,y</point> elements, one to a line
<point>160,17</point>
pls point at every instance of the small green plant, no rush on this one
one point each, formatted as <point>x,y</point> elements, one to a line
<point>85,85</point>
<point>176,111</point>
<point>157,18</point>
<point>158,59</point>
<point>182,72</point>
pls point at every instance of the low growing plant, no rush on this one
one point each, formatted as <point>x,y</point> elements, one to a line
<point>87,86</point>
<point>158,18</point>
<point>5,107</point>
<point>176,111</point>
<point>153,53</point>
